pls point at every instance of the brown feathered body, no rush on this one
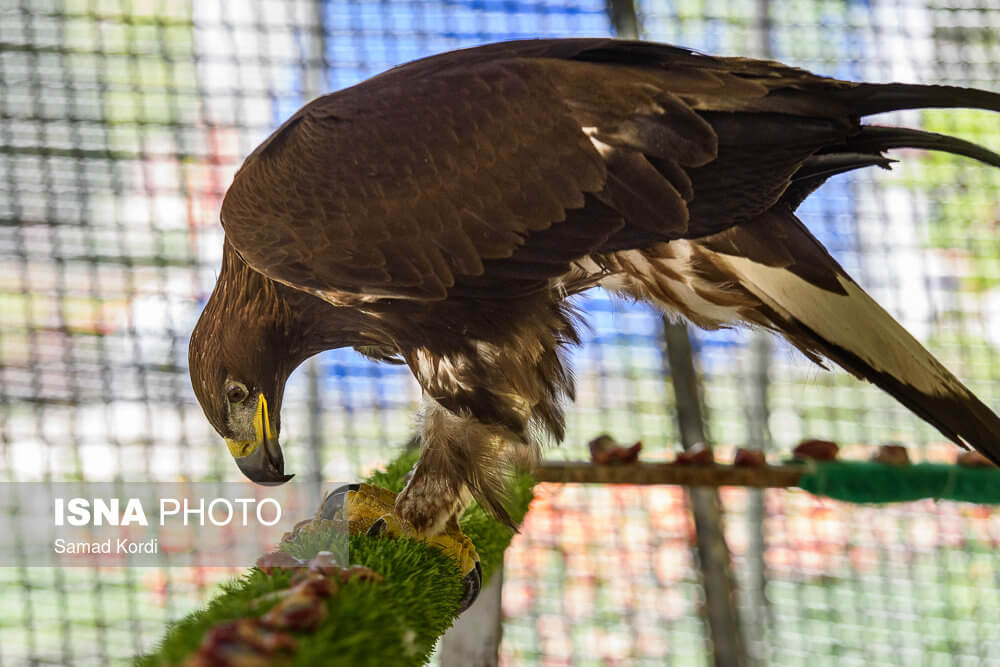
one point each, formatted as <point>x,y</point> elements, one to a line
<point>443,212</point>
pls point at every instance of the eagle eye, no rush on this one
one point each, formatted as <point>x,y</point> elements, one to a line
<point>236,392</point>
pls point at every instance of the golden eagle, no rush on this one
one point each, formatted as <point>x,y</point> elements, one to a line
<point>442,213</point>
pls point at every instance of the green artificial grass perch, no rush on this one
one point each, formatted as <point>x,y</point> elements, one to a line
<point>396,621</point>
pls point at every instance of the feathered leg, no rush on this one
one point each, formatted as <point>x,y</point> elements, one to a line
<point>456,453</point>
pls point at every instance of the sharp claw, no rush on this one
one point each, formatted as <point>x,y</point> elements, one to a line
<point>333,505</point>
<point>473,581</point>
<point>377,528</point>
<point>390,525</point>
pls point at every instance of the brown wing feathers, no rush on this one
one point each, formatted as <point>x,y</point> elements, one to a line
<point>418,199</point>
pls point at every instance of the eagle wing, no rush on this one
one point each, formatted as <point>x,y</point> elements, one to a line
<point>488,171</point>
<point>402,185</point>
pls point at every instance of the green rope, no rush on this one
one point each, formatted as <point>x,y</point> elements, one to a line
<point>393,622</point>
<point>865,482</point>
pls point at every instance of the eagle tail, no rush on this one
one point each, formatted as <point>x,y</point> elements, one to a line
<point>867,149</point>
<point>824,313</point>
<point>875,139</point>
<point>866,99</point>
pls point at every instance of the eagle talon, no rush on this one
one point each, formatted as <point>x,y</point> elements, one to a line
<point>368,510</point>
<point>333,504</point>
<point>378,528</point>
<point>473,584</point>
<point>390,525</point>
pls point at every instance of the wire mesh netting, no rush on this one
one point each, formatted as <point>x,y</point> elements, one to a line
<point>122,125</point>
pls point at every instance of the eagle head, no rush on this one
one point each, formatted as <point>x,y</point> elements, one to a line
<point>240,356</point>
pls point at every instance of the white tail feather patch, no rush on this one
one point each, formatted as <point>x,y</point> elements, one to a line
<point>853,321</point>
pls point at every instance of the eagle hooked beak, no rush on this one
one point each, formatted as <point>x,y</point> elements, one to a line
<point>261,459</point>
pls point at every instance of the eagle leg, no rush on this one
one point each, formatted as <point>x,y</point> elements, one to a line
<point>430,501</point>
<point>460,458</point>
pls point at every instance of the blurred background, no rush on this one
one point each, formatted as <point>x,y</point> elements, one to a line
<point>121,125</point>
